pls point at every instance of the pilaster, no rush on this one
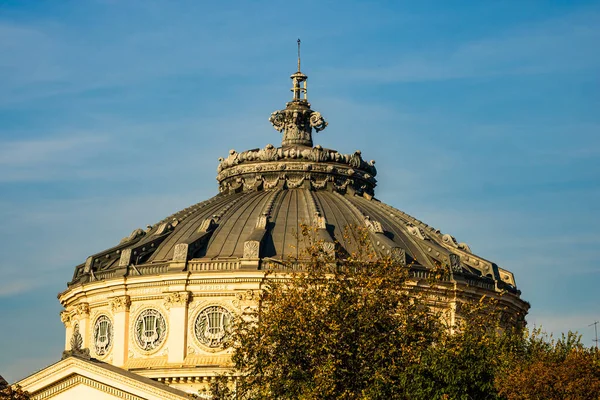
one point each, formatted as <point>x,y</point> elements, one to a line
<point>65,317</point>
<point>120,308</point>
<point>177,304</point>
<point>82,314</point>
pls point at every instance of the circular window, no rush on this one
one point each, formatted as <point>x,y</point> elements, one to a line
<point>211,326</point>
<point>150,329</point>
<point>103,335</point>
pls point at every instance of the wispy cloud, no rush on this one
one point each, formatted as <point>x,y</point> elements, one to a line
<point>556,45</point>
<point>39,152</point>
<point>43,159</point>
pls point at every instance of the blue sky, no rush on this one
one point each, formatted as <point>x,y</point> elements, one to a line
<point>483,118</point>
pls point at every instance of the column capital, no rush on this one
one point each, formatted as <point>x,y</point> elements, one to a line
<point>65,317</point>
<point>82,310</point>
<point>177,299</point>
<point>120,304</point>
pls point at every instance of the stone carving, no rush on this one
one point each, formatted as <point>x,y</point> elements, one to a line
<point>399,255</point>
<point>181,252</point>
<point>455,263</point>
<point>247,295</point>
<point>251,249</point>
<point>261,222</point>
<point>320,222</point>
<point>120,304</point>
<point>103,335</point>
<point>150,329</point>
<point>125,258</point>
<point>83,310</point>
<point>356,160</point>
<point>134,235</point>
<point>177,299</point>
<point>76,339</point>
<point>316,154</point>
<point>329,249</point>
<point>162,228</point>
<point>416,231</point>
<point>277,119</point>
<point>296,174</point>
<point>65,317</point>
<point>374,226</point>
<point>206,225</point>
<point>211,327</point>
<point>318,185</point>
<point>317,121</point>
<point>88,265</point>
<point>464,247</point>
<point>295,183</point>
<point>76,343</point>
<point>449,239</point>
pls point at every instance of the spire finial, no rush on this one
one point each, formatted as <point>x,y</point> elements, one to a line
<point>299,54</point>
<point>299,81</point>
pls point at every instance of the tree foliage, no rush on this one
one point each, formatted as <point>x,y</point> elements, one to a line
<point>355,330</point>
<point>551,369</point>
<point>8,392</point>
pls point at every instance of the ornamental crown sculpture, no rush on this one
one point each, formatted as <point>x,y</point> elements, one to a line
<point>297,162</point>
<point>297,120</point>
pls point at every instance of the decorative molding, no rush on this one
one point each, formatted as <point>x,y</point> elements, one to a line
<point>373,225</point>
<point>135,234</point>
<point>206,225</point>
<point>177,299</point>
<point>120,304</point>
<point>76,345</point>
<point>74,380</point>
<point>83,310</point>
<point>416,231</point>
<point>329,249</point>
<point>125,258</point>
<point>181,252</point>
<point>86,366</point>
<point>251,249</point>
<point>199,307</point>
<point>149,339</point>
<point>102,335</point>
<point>449,239</point>
<point>455,263</point>
<point>261,222</point>
<point>65,317</point>
<point>265,168</point>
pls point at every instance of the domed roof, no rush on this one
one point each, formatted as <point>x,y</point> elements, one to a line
<point>266,195</point>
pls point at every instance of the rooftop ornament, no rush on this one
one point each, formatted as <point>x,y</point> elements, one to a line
<point>297,120</point>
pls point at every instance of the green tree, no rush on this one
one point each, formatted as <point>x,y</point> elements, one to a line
<point>346,330</point>
<point>353,329</point>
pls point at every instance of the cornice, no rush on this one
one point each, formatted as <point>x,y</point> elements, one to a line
<point>68,383</point>
<point>63,366</point>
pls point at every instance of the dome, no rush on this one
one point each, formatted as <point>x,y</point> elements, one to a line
<point>266,195</point>
<point>254,227</point>
<point>158,302</point>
